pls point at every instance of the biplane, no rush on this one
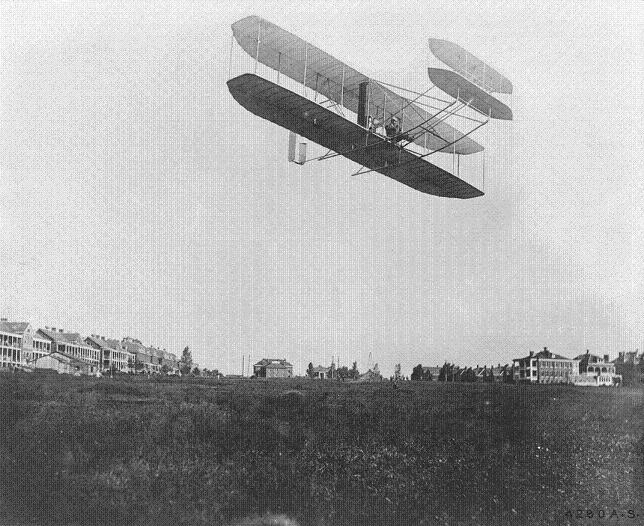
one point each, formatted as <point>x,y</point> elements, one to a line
<point>392,134</point>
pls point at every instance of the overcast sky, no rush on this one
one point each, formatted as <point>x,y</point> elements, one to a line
<point>138,198</point>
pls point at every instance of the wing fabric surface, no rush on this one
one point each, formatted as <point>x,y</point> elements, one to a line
<point>460,88</point>
<point>297,59</point>
<point>463,62</point>
<point>322,126</point>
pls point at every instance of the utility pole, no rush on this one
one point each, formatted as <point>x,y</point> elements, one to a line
<point>243,356</point>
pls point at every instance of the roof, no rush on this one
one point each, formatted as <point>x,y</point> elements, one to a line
<point>106,343</point>
<point>14,327</point>
<point>330,130</point>
<point>266,361</point>
<point>551,356</point>
<point>294,57</point>
<point>63,357</point>
<point>545,355</point>
<point>134,346</point>
<point>64,337</point>
<point>585,356</point>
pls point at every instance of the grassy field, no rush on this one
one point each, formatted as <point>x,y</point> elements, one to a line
<point>173,451</point>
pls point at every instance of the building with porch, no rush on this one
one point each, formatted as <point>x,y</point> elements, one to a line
<point>70,344</point>
<point>545,367</point>
<point>16,343</point>
<point>113,355</point>
<point>596,371</point>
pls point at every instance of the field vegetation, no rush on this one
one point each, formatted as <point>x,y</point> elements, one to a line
<point>133,450</point>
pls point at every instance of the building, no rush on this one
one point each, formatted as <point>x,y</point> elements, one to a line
<point>151,360</point>
<point>545,367</point>
<point>16,343</point>
<point>425,373</point>
<point>324,373</point>
<point>114,357</point>
<point>141,355</point>
<point>41,347</point>
<point>596,371</point>
<point>630,367</point>
<point>64,364</point>
<point>273,368</point>
<point>72,345</point>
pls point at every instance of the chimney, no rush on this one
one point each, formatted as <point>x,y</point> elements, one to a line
<point>621,354</point>
<point>587,351</point>
<point>531,354</point>
<point>606,358</point>
<point>3,319</point>
<point>60,330</point>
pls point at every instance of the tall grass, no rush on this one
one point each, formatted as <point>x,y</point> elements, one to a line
<point>171,451</point>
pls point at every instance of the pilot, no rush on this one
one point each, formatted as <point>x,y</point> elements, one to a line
<point>393,128</point>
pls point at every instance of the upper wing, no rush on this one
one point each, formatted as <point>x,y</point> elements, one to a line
<point>305,63</point>
<point>459,88</point>
<point>320,125</point>
<point>469,66</point>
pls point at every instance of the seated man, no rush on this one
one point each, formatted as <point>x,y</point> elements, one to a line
<point>392,128</point>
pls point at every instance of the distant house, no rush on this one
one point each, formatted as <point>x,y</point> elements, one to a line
<point>505,374</point>
<point>596,371</point>
<point>273,368</point>
<point>113,355</point>
<point>425,373</point>
<point>545,367</point>
<point>16,343</point>
<point>143,360</point>
<point>71,344</point>
<point>324,373</point>
<point>64,364</point>
<point>630,367</point>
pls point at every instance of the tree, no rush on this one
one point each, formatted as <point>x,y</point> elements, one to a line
<point>185,364</point>
<point>354,373</point>
<point>342,372</point>
<point>309,370</point>
<point>397,372</point>
<point>442,375</point>
<point>196,371</point>
<point>165,369</point>
<point>417,373</point>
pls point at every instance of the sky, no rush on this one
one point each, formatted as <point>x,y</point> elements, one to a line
<point>139,199</point>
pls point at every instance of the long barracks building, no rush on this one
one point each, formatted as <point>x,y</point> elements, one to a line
<point>22,346</point>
